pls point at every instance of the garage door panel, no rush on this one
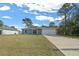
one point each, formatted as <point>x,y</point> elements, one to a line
<point>49,32</point>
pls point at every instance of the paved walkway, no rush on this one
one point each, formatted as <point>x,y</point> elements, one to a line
<point>69,46</point>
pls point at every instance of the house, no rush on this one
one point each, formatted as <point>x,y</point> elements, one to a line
<point>39,31</point>
<point>31,31</point>
<point>8,30</point>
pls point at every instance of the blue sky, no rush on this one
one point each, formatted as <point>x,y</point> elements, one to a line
<point>41,13</point>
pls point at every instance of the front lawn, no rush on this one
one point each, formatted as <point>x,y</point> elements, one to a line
<point>32,45</point>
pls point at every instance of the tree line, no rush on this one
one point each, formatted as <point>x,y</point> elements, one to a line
<point>2,25</point>
<point>28,24</point>
<point>70,22</point>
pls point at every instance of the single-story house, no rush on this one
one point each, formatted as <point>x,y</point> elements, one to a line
<point>8,30</point>
<point>39,31</point>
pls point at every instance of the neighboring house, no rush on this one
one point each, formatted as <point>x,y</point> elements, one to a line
<point>39,31</point>
<point>8,30</point>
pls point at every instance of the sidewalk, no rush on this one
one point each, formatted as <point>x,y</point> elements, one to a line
<point>68,46</point>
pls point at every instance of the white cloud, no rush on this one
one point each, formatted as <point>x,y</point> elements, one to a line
<point>40,5</point>
<point>30,12</point>
<point>59,18</point>
<point>38,1</point>
<point>41,18</point>
<point>45,24</point>
<point>6,17</point>
<point>43,6</point>
<point>26,11</point>
<point>51,19</point>
<point>4,8</point>
<point>36,25</point>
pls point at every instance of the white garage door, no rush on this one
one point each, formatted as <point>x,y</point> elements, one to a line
<point>48,32</point>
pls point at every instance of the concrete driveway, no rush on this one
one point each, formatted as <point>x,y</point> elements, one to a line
<point>68,46</point>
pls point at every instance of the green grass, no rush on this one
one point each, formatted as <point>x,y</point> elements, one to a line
<point>27,45</point>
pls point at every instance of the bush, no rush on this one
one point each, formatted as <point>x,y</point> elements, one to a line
<point>75,32</point>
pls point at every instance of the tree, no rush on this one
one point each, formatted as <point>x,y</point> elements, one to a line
<point>1,23</point>
<point>44,26</point>
<point>27,22</point>
<point>64,11</point>
<point>51,24</point>
<point>70,24</point>
<point>12,27</point>
<point>75,20</point>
